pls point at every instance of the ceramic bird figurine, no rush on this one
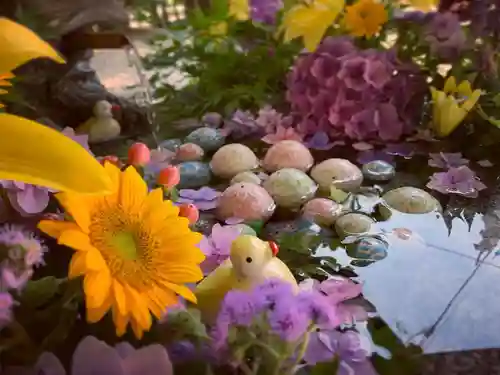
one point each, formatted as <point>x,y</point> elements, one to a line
<point>250,263</point>
<point>102,126</point>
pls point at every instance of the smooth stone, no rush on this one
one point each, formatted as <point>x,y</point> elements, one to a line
<point>246,177</point>
<point>231,159</point>
<point>205,223</point>
<point>208,139</point>
<point>290,188</point>
<point>288,154</point>
<point>379,170</point>
<point>171,144</point>
<point>194,174</point>
<point>189,152</point>
<point>322,211</point>
<point>368,249</point>
<point>245,201</point>
<point>340,173</point>
<point>410,200</point>
<point>353,224</point>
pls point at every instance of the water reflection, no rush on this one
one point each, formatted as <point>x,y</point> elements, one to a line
<point>433,289</point>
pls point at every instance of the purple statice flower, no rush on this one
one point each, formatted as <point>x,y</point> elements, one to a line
<point>288,320</point>
<point>269,119</point>
<point>271,291</point>
<point>81,139</point>
<point>217,246</point>
<point>22,252</point>
<point>242,124</point>
<point>461,181</point>
<point>445,35</point>
<point>359,94</point>
<point>26,199</point>
<point>445,160</point>
<point>6,305</point>
<point>204,199</point>
<point>265,11</point>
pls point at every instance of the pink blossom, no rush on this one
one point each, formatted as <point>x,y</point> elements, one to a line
<point>283,134</point>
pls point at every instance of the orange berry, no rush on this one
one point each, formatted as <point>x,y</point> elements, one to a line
<point>169,176</point>
<point>139,155</point>
<point>190,211</point>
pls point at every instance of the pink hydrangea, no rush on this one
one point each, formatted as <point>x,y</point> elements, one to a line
<point>358,94</point>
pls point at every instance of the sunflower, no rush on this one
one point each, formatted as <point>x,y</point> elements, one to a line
<point>365,18</point>
<point>133,249</point>
<point>4,82</point>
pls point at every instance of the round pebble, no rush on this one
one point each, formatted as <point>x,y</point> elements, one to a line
<point>288,154</point>
<point>353,224</point>
<point>232,159</point>
<point>246,177</point>
<point>322,211</point>
<point>189,152</point>
<point>410,200</point>
<point>340,173</point>
<point>245,201</point>
<point>208,139</point>
<point>171,144</point>
<point>194,174</point>
<point>378,170</point>
<point>290,187</point>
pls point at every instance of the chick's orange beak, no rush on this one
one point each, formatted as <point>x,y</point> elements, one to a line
<point>274,248</point>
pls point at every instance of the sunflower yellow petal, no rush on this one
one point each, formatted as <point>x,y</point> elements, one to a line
<point>120,297</point>
<point>119,320</point>
<point>140,312</point>
<point>97,287</point>
<point>13,53</point>
<point>133,189</point>
<point>75,239</point>
<point>55,228</point>
<point>77,207</point>
<point>181,290</point>
<point>51,160</point>
<point>77,266</point>
<point>94,314</point>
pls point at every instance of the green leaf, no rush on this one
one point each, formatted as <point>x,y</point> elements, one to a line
<point>182,324</point>
<point>257,226</point>
<point>338,195</point>
<point>327,368</point>
<point>39,292</point>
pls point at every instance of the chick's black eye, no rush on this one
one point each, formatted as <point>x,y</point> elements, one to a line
<point>249,260</point>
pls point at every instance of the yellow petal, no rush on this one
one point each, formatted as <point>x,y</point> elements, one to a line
<point>119,320</point>
<point>94,314</point>
<point>464,88</point>
<point>471,100</point>
<point>133,190</point>
<point>97,288</point>
<point>78,207</point>
<point>137,328</point>
<point>77,265</point>
<point>120,297</point>
<point>140,310</point>
<point>181,290</point>
<point>450,85</point>
<point>75,239</point>
<point>55,228</point>
<point>51,160</point>
<point>20,45</point>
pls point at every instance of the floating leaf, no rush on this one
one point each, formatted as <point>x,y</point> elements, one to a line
<point>338,195</point>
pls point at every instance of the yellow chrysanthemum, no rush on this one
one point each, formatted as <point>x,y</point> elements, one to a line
<point>365,18</point>
<point>239,9</point>
<point>310,21</point>
<point>134,250</point>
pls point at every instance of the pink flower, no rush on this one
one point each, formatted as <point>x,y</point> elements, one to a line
<point>461,181</point>
<point>282,134</point>
<point>217,246</point>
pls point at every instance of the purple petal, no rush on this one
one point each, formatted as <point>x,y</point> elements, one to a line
<point>224,236</point>
<point>339,290</point>
<point>105,360</point>
<point>33,200</point>
<point>150,360</point>
<point>124,349</point>
<point>49,364</point>
<point>319,141</point>
<point>189,194</point>
<point>181,200</point>
<point>206,205</point>
<point>208,194</point>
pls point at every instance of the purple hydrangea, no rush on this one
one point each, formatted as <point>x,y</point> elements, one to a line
<point>26,199</point>
<point>461,181</point>
<point>265,11</point>
<point>445,160</point>
<point>360,94</point>
<point>270,120</point>
<point>288,320</point>
<point>204,199</point>
<point>321,141</point>
<point>445,35</point>
<point>242,124</point>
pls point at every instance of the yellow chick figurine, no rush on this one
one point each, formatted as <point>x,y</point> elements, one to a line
<point>102,126</point>
<point>250,263</point>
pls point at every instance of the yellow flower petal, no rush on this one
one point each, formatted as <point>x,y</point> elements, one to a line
<point>75,239</point>
<point>51,160</point>
<point>77,266</point>
<point>20,45</point>
<point>239,9</point>
<point>97,287</point>
<point>119,320</point>
<point>120,298</point>
<point>78,207</point>
<point>181,290</point>
<point>55,228</point>
<point>471,100</point>
<point>133,189</point>
<point>94,314</point>
<point>450,85</point>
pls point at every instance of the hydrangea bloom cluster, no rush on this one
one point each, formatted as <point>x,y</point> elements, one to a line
<point>308,319</point>
<point>265,11</point>
<point>20,252</point>
<point>358,94</point>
